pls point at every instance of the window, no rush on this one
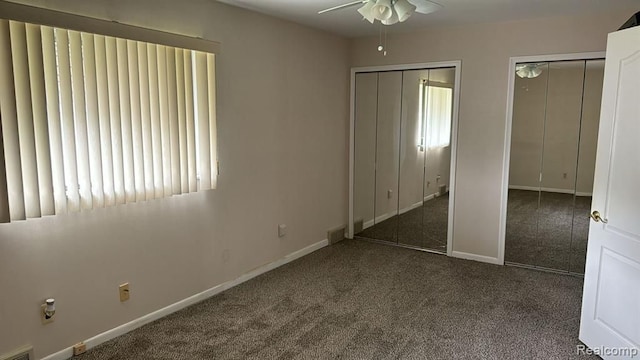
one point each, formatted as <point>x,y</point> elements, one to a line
<point>438,112</point>
<point>93,120</point>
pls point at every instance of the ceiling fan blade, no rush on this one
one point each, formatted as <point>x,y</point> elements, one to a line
<point>343,6</point>
<point>426,6</point>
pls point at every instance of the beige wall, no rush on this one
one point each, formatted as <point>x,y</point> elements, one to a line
<point>527,129</point>
<point>438,170</point>
<point>366,109</point>
<point>553,102</point>
<point>283,104</point>
<point>594,77</point>
<point>485,51</point>
<point>562,125</point>
<point>388,144</point>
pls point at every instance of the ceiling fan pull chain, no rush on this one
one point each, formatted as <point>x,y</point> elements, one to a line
<point>380,47</point>
<point>384,53</point>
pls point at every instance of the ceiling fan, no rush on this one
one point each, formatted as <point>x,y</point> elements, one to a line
<point>389,12</point>
<point>529,70</point>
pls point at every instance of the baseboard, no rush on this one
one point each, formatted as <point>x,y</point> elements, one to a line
<point>411,207</point>
<point>132,325</point>
<point>552,190</point>
<point>474,257</point>
<point>429,197</point>
<point>367,224</point>
<point>386,216</point>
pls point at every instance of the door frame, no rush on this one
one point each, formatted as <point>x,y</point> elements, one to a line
<point>508,127</point>
<point>457,64</point>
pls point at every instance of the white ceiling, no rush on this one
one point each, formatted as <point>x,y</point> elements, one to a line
<point>349,23</point>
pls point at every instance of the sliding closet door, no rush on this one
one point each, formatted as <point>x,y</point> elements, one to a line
<point>366,107</point>
<point>387,154</point>
<point>556,110</point>
<point>438,124</point>
<point>402,151</point>
<point>412,158</point>
<point>593,81</point>
<point>527,135</point>
<point>559,163</point>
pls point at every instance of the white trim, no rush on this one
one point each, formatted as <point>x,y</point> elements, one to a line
<point>386,216</point>
<point>402,67</point>
<point>132,325</point>
<point>411,207</point>
<point>389,215</point>
<point>475,257</point>
<point>454,157</point>
<point>545,189</point>
<point>53,18</point>
<point>368,224</point>
<point>352,146</point>
<point>457,64</point>
<point>509,121</point>
<point>430,197</point>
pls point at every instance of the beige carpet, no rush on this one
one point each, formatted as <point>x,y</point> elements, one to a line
<point>360,300</point>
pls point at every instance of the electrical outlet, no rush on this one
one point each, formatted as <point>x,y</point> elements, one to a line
<point>282,230</point>
<point>79,348</point>
<point>43,316</point>
<point>124,292</point>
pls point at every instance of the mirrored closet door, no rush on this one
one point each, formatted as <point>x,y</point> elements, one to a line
<point>556,109</point>
<point>402,156</point>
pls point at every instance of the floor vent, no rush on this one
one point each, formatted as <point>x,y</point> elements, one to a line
<point>24,353</point>
<point>442,189</point>
<point>335,235</point>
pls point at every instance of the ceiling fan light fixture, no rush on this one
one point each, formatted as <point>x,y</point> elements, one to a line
<point>382,10</point>
<point>404,9</point>
<point>392,20</point>
<point>529,71</point>
<point>535,72</point>
<point>367,11</point>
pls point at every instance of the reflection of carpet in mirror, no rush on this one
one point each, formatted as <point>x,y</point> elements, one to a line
<point>424,227</point>
<point>547,230</point>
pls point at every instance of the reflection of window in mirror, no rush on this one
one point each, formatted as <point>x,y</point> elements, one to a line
<point>437,114</point>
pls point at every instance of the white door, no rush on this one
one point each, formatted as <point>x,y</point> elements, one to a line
<point>610,323</point>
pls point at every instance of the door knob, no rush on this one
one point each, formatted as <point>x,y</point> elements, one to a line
<point>597,218</point>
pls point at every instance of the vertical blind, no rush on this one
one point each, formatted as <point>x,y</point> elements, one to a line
<point>439,111</point>
<point>92,121</point>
